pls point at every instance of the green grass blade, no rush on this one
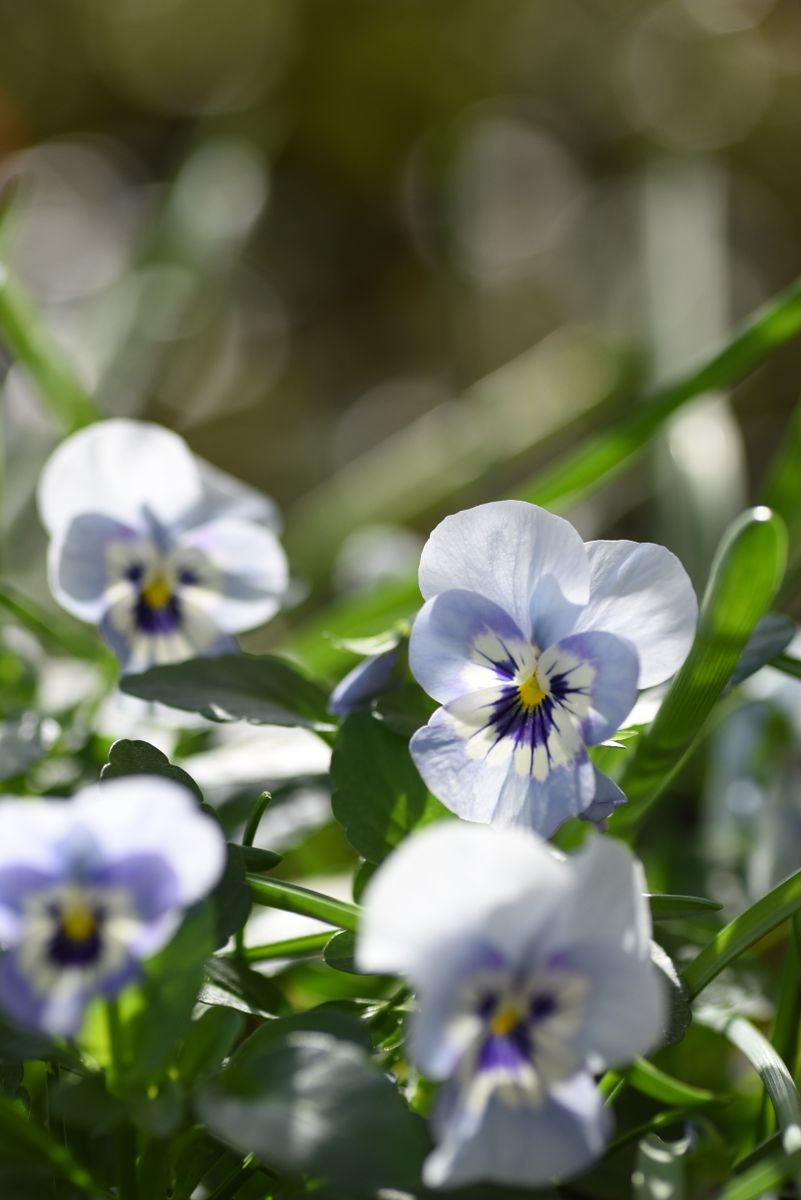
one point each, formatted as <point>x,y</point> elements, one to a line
<point>32,344</point>
<point>743,932</point>
<point>782,488</point>
<point>675,908</point>
<point>649,1080</point>
<point>755,1183</point>
<point>604,455</point>
<point>745,576</point>
<point>22,1136</point>
<point>787,664</point>
<point>771,1069</point>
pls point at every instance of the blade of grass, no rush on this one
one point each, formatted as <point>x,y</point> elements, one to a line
<point>29,340</point>
<point>743,932</point>
<point>772,1070</point>
<point>17,1132</point>
<point>757,1182</point>
<point>675,908</point>
<point>745,576</point>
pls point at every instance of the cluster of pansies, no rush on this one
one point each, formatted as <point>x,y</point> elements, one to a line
<point>532,972</point>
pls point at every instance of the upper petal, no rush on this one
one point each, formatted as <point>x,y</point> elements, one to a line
<point>641,592</point>
<point>149,816</point>
<point>453,879</point>
<point>461,642</point>
<point>78,565</point>
<point>518,1145</point>
<point>226,496</point>
<point>607,904</point>
<point>529,562</point>
<point>122,469</point>
<point>250,569</point>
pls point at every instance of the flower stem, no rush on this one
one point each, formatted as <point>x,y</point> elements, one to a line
<point>259,809</point>
<point>291,897</point>
<point>298,947</point>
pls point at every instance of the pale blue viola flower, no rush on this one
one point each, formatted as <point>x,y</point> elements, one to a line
<point>166,554</point>
<point>90,887</point>
<point>535,644</point>
<point>532,973</point>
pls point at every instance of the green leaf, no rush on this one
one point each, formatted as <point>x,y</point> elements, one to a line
<point>675,908</point>
<point>771,1069</point>
<point>157,1012</point>
<point>22,1139</point>
<point>311,1104</point>
<point>679,1012</point>
<point>336,1017</point>
<point>757,1182</point>
<point>378,796</point>
<point>231,984</point>
<point>741,933</point>
<point>129,757</point>
<point>210,1039</point>
<point>746,573</point>
<point>340,951</point>
<point>405,709</point>
<point>649,1080</point>
<point>231,897</point>
<point>772,635</point>
<point>260,689</point>
<point>257,859</point>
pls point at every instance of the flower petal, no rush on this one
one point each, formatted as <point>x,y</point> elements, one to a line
<point>481,777</point>
<point>251,572</point>
<point>608,797</point>
<point>225,496</point>
<point>147,815</point>
<point>598,671</point>
<point>530,563</point>
<point>624,1011</point>
<point>522,1146</point>
<point>364,683</point>
<point>78,563</point>
<point>462,642</point>
<point>641,592</point>
<point>120,469</point>
<point>607,904</point>
<point>453,879</point>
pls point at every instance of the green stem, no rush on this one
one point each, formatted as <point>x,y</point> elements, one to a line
<point>298,947</point>
<point>18,1130</point>
<point>125,1138</point>
<point>231,1185</point>
<point>291,897</point>
<point>30,341</point>
<point>252,826</point>
<point>788,664</point>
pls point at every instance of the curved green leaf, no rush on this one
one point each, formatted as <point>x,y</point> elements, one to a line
<point>743,932</point>
<point>673,908</point>
<point>745,576</point>
<point>261,689</point>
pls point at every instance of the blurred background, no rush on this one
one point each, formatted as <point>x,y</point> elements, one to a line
<point>383,260</point>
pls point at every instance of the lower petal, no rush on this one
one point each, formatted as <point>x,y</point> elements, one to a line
<point>521,1145</point>
<point>484,780</point>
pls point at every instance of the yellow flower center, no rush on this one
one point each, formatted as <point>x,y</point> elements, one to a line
<point>78,922</point>
<point>531,691</point>
<point>505,1019</point>
<point>157,593</point>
